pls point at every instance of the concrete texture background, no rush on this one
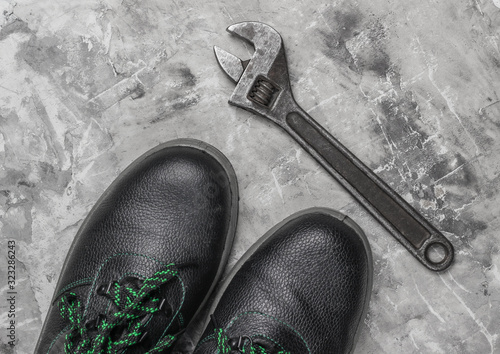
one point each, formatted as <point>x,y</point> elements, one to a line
<point>412,88</point>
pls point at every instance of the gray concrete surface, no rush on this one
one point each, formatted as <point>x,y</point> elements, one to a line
<point>412,88</point>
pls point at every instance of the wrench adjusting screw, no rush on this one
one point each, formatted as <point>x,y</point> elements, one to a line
<point>263,92</point>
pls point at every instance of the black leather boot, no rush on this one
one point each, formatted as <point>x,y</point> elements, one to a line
<point>303,288</point>
<point>147,256</point>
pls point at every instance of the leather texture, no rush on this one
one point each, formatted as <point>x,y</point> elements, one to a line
<point>175,204</point>
<point>304,288</point>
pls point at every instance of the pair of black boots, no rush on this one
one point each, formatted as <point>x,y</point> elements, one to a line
<point>152,250</point>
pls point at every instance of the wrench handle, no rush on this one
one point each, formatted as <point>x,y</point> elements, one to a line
<point>411,229</point>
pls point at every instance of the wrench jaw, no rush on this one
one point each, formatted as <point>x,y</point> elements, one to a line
<point>230,64</point>
<point>260,35</point>
<point>263,86</point>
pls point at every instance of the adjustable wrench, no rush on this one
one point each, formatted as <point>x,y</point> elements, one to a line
<point>263,87</point>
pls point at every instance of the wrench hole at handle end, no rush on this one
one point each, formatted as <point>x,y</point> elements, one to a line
<point>436,253</point>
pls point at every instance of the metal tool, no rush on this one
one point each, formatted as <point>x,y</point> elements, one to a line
<point>263,87</point>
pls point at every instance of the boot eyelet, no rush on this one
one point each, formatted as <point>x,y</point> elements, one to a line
<point>164,306</point>
<point>100,319</point>
<point>143,337</point>
<point>94,323</point>
<point>91,324</point>
<point>104,289</point>
<point>239,343</point>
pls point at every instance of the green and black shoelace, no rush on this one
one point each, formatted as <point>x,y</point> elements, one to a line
<point>131,304</point>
